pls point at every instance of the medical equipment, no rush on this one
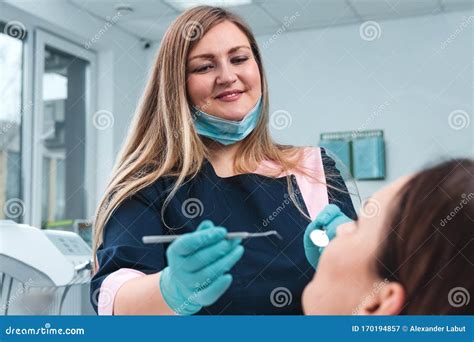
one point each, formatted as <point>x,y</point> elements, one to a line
<point>79,226</point>
<point>235,235</point>
<point>319,237</point>
<point>39,267</point>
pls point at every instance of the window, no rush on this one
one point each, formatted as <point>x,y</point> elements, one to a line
<point>12,35</point>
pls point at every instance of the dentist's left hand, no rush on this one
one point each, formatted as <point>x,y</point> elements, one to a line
<point>329,218</point>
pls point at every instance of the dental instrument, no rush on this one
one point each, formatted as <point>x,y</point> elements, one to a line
<point>233,235</point>
<point>319,237</point>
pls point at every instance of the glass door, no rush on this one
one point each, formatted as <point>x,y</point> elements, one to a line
<point>63,141</point>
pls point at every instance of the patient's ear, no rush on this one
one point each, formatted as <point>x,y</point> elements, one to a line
<point>389,300</point>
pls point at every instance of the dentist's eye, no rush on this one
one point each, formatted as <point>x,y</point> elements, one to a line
<point>239,60</point>
<point>203,68</point>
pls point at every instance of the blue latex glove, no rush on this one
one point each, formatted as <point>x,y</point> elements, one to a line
<point>329,218</point>
<point>197,265</point>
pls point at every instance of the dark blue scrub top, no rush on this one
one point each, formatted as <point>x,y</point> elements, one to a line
<point>239,203</point>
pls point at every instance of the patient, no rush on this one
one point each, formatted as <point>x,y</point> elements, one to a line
<point>411,252</point>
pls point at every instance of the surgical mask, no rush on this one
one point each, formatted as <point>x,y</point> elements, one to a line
<point>225,131</point>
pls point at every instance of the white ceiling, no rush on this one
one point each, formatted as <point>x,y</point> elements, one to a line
<point>151,18</point>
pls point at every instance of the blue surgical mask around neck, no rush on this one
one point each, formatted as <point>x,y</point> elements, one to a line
<point>225,131</point>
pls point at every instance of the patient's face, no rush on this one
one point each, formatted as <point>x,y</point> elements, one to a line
<point>346,281</point>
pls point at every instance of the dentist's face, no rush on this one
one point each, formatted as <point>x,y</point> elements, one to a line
<point>223,78</point>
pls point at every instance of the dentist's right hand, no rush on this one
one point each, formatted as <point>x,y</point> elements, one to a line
<point>198,262</point>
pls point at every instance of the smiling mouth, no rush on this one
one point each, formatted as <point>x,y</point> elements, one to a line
<point>229,95</point>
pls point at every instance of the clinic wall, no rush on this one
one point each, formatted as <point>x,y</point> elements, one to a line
<point>406,82</point>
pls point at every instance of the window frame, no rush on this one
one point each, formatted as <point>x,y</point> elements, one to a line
<point>44,38</point>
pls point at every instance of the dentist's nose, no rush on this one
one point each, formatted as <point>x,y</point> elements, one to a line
<point>226,75</point>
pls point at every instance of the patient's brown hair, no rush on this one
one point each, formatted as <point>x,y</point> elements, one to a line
<point>430,246</point>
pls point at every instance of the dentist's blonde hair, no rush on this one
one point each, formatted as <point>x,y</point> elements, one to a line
<point>162,140</point>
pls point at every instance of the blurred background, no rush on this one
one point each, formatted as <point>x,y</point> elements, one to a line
<point>384,83</point>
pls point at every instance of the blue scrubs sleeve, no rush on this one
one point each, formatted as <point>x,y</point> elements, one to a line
<point>122,245</point>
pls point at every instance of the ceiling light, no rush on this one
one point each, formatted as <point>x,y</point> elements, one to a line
<point>123,9</point>
<point>182,5</point>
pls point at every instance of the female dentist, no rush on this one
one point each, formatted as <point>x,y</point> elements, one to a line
<point>199,161</point>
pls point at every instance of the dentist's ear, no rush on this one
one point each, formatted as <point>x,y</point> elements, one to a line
<point>389,300</point>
